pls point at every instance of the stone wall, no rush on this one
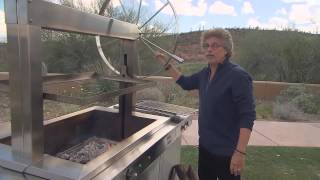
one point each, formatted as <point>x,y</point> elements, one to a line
<point>263,90</point>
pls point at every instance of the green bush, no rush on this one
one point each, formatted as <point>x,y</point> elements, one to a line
<point>298,96</point>
<point>264,110</point>
<point>181,97</point>
<point>291,92</point>
<point>307,103</point>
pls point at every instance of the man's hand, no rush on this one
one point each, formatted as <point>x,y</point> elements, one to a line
<point>237,163</point>
<point>160,57</point>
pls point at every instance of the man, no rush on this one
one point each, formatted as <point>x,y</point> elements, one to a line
<point>226,107</point>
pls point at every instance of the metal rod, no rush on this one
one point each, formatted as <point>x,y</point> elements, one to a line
<point>152,50</point>
<point>104,58</point>
<point>153,15</point>
<point>124,10</point>
<point>138,16</point>
<point>175,57</point>
<point>104,6</point>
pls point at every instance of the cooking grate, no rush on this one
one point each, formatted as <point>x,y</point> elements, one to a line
<point>163,108</point>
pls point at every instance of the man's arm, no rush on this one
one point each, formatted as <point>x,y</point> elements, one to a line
<point>173,71</point>
<point>243,140</point>
<point>238,157</point>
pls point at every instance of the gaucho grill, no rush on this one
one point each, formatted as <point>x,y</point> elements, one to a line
<point>126,141</point>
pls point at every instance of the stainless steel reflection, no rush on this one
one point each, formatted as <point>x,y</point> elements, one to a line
<point>11,11</point>
<point>34,143</point>
<point>54,16</point>
<point>25,90</point>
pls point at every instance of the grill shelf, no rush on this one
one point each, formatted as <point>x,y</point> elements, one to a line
<point>161,108</point>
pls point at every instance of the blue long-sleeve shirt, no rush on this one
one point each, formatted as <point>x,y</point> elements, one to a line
<point>226,104</point>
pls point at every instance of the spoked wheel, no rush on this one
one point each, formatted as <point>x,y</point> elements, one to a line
<point>158,31</point>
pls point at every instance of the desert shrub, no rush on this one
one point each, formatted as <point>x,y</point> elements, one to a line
<point>287,111</point>
<point>295,102</point>
<point>181,97</point>
<point>96,87</point>
<point>264,109</point>
<point>290,93</point>
<point>307,103</point>
<point>150,94</point>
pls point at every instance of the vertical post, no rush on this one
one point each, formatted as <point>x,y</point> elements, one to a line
<point>128,69</point>
<point>24,50</point>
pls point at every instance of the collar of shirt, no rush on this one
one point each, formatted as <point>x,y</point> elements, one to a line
<point>220,66</point>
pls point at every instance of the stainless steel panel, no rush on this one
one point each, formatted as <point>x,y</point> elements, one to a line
<point>169,158</point>
<point>6,174</point>
<point>8,160</point>
<point>56,168</point>
<point>152,172</point>
<point>25,91</point>
<point>11,11</point>
<point>147,150</point>
<point>22,12</point>
<point>54,16</point>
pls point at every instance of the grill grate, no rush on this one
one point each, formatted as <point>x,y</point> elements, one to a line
<point>164,108</point>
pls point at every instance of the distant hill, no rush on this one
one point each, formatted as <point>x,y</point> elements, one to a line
<point>189,43</point>
<point>269,55</point>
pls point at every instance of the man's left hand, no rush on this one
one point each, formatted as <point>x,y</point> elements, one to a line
<point>237,163</point>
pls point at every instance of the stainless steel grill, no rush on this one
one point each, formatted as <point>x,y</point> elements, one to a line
<point>94,143</point>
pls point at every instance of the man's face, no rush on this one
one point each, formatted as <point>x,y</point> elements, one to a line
<point>214,50</point>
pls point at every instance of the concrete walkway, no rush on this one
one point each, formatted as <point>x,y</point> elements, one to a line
<point>265,133</point>
<point>270,133</point>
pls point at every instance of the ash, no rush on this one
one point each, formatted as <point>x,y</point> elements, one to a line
<point>86,151</point>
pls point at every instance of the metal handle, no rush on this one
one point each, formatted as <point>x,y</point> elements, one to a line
<point>175,57</point>
<point>131,174</point>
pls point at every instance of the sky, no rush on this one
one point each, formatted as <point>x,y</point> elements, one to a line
<point>303,15</point>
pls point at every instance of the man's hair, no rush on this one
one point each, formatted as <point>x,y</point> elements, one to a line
<point>222,34</point>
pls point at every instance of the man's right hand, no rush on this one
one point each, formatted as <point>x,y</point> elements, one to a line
<point>160,57</point>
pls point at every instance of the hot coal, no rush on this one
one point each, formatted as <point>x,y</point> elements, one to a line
<point>86,151</point>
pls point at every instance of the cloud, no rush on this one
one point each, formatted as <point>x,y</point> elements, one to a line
<point>305,17</point>
<point>247,8</point>
<point>3,28</point>
<point>304,14</point>
<point>293,1</point>
<point>281,11</point>
<point>115,3</point>
<point>221,8</point>
<point>184,7</point>
<point>272,23</point>
<point>310,2</point>
<point>143,3</point>
<point>300,13</point>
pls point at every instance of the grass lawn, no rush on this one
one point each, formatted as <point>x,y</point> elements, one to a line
<point>272,163</point>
